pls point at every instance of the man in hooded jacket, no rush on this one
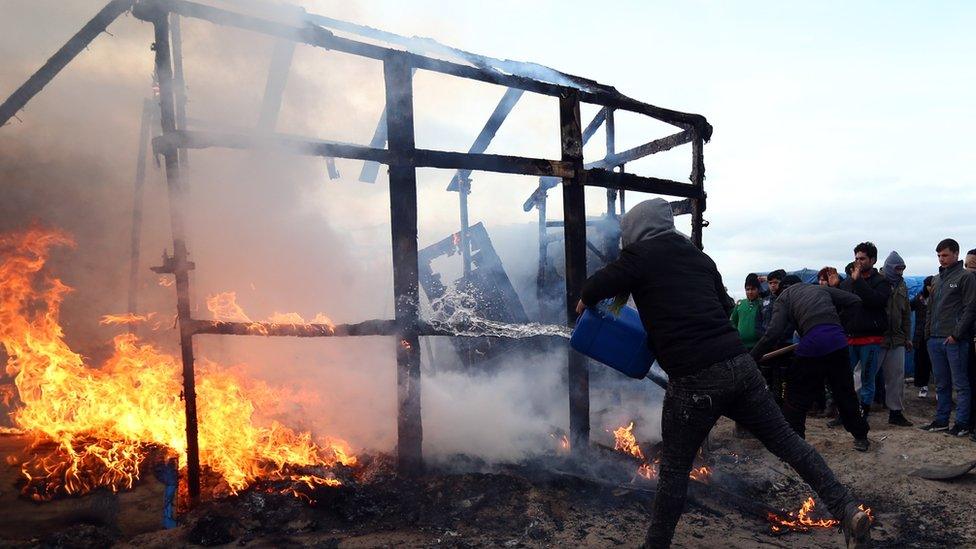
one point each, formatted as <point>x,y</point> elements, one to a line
<point>685,310</point>
<point>897,338</point>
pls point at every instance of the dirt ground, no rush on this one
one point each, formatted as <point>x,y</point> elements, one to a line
<point>549,502</point>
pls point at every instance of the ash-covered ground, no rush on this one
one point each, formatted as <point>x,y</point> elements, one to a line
<point>548,501</point>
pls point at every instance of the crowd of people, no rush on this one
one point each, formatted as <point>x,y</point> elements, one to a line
<point>851,335</point>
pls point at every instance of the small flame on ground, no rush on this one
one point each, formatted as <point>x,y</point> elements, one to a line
<point>563,441</point>
<point>803,521</point>
<point>166,282</point>
<point>625,442</point>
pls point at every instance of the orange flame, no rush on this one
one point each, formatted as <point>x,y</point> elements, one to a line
<point>626,442</point>
<point>802,520</point>
<point>127,318</point>
<point>166,282</point>
<point>96,426</point>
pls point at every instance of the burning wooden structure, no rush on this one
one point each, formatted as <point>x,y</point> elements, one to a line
<point>401,57</point>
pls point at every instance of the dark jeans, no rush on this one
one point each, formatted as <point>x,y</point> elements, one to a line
<point>923,364</point>
<point>692,405</point>
<point>806,380</point>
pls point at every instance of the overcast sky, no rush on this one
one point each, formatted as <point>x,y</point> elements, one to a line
<point>835,122</point>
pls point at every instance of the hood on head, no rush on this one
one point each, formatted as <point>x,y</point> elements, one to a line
<point>649,219</point>
<point>894,267</point>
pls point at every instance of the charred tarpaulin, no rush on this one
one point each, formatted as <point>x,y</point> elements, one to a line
<point>401,57</point>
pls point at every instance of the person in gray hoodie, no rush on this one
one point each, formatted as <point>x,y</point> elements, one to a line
<point>685,310</point>
<point>821,355</point>
<point>949,323</point>
<point>896,340</point>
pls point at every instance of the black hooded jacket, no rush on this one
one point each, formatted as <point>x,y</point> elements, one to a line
<point>870,318</point>
<point>678,291</point>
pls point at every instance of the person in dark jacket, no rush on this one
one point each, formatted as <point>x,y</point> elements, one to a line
<point>821,354</point>
<point>897,339</point>
<point>774,370</point>
<point>923,365</point>
<point>866,323</point>
<point>685,310</point>
<point>948,327</point>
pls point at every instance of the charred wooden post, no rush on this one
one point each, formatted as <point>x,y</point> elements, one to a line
<point>464,189</point>
<point>274,86</point>
<point>406,293</point>
<point>135,242</point>
<point>540,285</point>
<point>179,88</point>
<point>698,179</point>
<point>178,265</point>
<point>574,215</point>
<point>62,57</point>
<point>611,150</point>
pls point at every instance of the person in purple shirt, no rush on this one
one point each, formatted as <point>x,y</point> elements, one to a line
<point>821,355</point>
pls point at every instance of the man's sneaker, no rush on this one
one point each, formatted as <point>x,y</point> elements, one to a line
<point>909,379</point>
<point>972,436</point>
<point>958,431</point>
<point>857,529</point>
<point>899,419</point>
<point>935,426</point>
<point>923,392</point>
<point>861,444</point>
<point>836,422</point>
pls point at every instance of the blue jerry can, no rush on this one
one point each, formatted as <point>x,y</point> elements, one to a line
<point>619,341</point>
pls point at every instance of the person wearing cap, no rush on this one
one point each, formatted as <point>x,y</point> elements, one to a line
<point>685,310</point>
<point>745,316</point>
<point>896,340</point>
<point>821,355</point>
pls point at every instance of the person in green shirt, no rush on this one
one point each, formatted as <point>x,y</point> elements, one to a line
<point>746,312</point>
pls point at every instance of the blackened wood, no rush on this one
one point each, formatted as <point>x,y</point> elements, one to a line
<point>135,240</point>
<point>594,125</point>
<point>276,329</point>
<point>371,168</point>
<point>62,57</point>
<point>698,202</point>
<point>681,207</point>
<point>611,151</point>
<point>647,149</point>
<point>274,85</point>
<point>406,293</point>
<point>630,182</point>
<point>487,133</point>
<point>417,157</point>
<point>513,77</point>
<point>164,73</point>
<point>574,230</point>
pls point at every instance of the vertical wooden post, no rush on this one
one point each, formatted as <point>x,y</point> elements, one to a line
<point>464,188</point>
<point>698,179</point>
<point>611,149</point>
<point>179,87</point>
<point>274,86</point>
<point>135,241</point>
<point>540,285</point>
<point>574,227</point>
<point>180,265</point>
<point>403,221</point>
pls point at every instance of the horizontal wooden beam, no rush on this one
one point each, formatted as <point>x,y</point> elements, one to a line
<point>359,329</point>
<point>629,182</point>
<point>314,35</point>
<point>647,149</point>
<point>421,158</point>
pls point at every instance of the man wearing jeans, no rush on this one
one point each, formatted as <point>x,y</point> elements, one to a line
<point>866,323</point>
<point>685,310</point>
<point>949,326</point>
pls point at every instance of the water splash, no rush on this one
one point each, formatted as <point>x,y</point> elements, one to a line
<point>456,313</point>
